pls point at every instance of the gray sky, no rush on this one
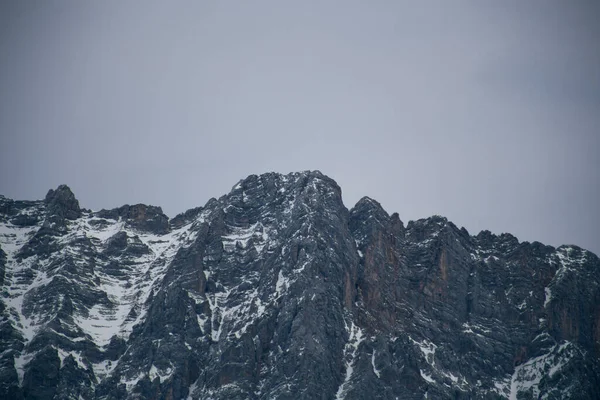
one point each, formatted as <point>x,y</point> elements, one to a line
<point>486,112</point>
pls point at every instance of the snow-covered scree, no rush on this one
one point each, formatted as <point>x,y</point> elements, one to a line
<point>102,323</point>
<point>125,295</point>
<point>528,376</point>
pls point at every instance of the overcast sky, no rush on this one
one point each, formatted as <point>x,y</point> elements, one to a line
<point>486,112</point>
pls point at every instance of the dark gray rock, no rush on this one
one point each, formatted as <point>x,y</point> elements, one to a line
<point>139,216</point>
<point>42,378</point>
<point>2,266</point>
<point>62,203</point>
<point>185,218</point>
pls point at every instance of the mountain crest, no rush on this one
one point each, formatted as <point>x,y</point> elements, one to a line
<point>277,291</point>
<point>139,216</point>
<point>62,203</point>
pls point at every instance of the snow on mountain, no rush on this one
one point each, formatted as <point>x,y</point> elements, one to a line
<point>277,291</point>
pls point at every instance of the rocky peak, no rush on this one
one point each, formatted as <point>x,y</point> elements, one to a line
<point>367,205</point>
<point>139,216</point>
<point>298,193</point>
<point>426,227</point>
<point>368,218</point>
<point>62,203</point>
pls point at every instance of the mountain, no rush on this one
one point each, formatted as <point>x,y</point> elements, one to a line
<point>278,291</point>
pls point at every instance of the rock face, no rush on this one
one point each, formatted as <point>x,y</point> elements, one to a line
<point>277,291</point>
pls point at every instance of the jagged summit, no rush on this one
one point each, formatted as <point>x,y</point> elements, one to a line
<point>367,202</point>
<point>62,190</point>
<point>292,180</point>
<point>62,203</point>
<point>370,207</point>
<point>277,291</point>
<point>140,216</point>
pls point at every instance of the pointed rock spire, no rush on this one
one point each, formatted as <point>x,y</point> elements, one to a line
<point>62,203</point>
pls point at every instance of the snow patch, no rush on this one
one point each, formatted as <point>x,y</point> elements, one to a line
<point>161,375</point>
<point>502,387</point>
<point>76,355</point>
<point>475,329</point>
<point>428,349</point>
<point>20,364</point>
<point>242,237</point>
<point>217,311</point>
<point>349,355</point>
<point>13,237</point>
<point>427,377</point>
<point>130,383</point>
<point>281,285</point>
<point>548,293</point>
<point>104,368</point>
<point>375,370</point>
<point>192,389</point>
<point>528,376</point>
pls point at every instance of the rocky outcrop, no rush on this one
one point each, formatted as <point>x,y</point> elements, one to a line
<point>62,203</point>
<point>139,216</point>
<point>277,291</point>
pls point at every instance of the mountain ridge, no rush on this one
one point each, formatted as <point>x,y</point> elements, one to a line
<point>277,290</point>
